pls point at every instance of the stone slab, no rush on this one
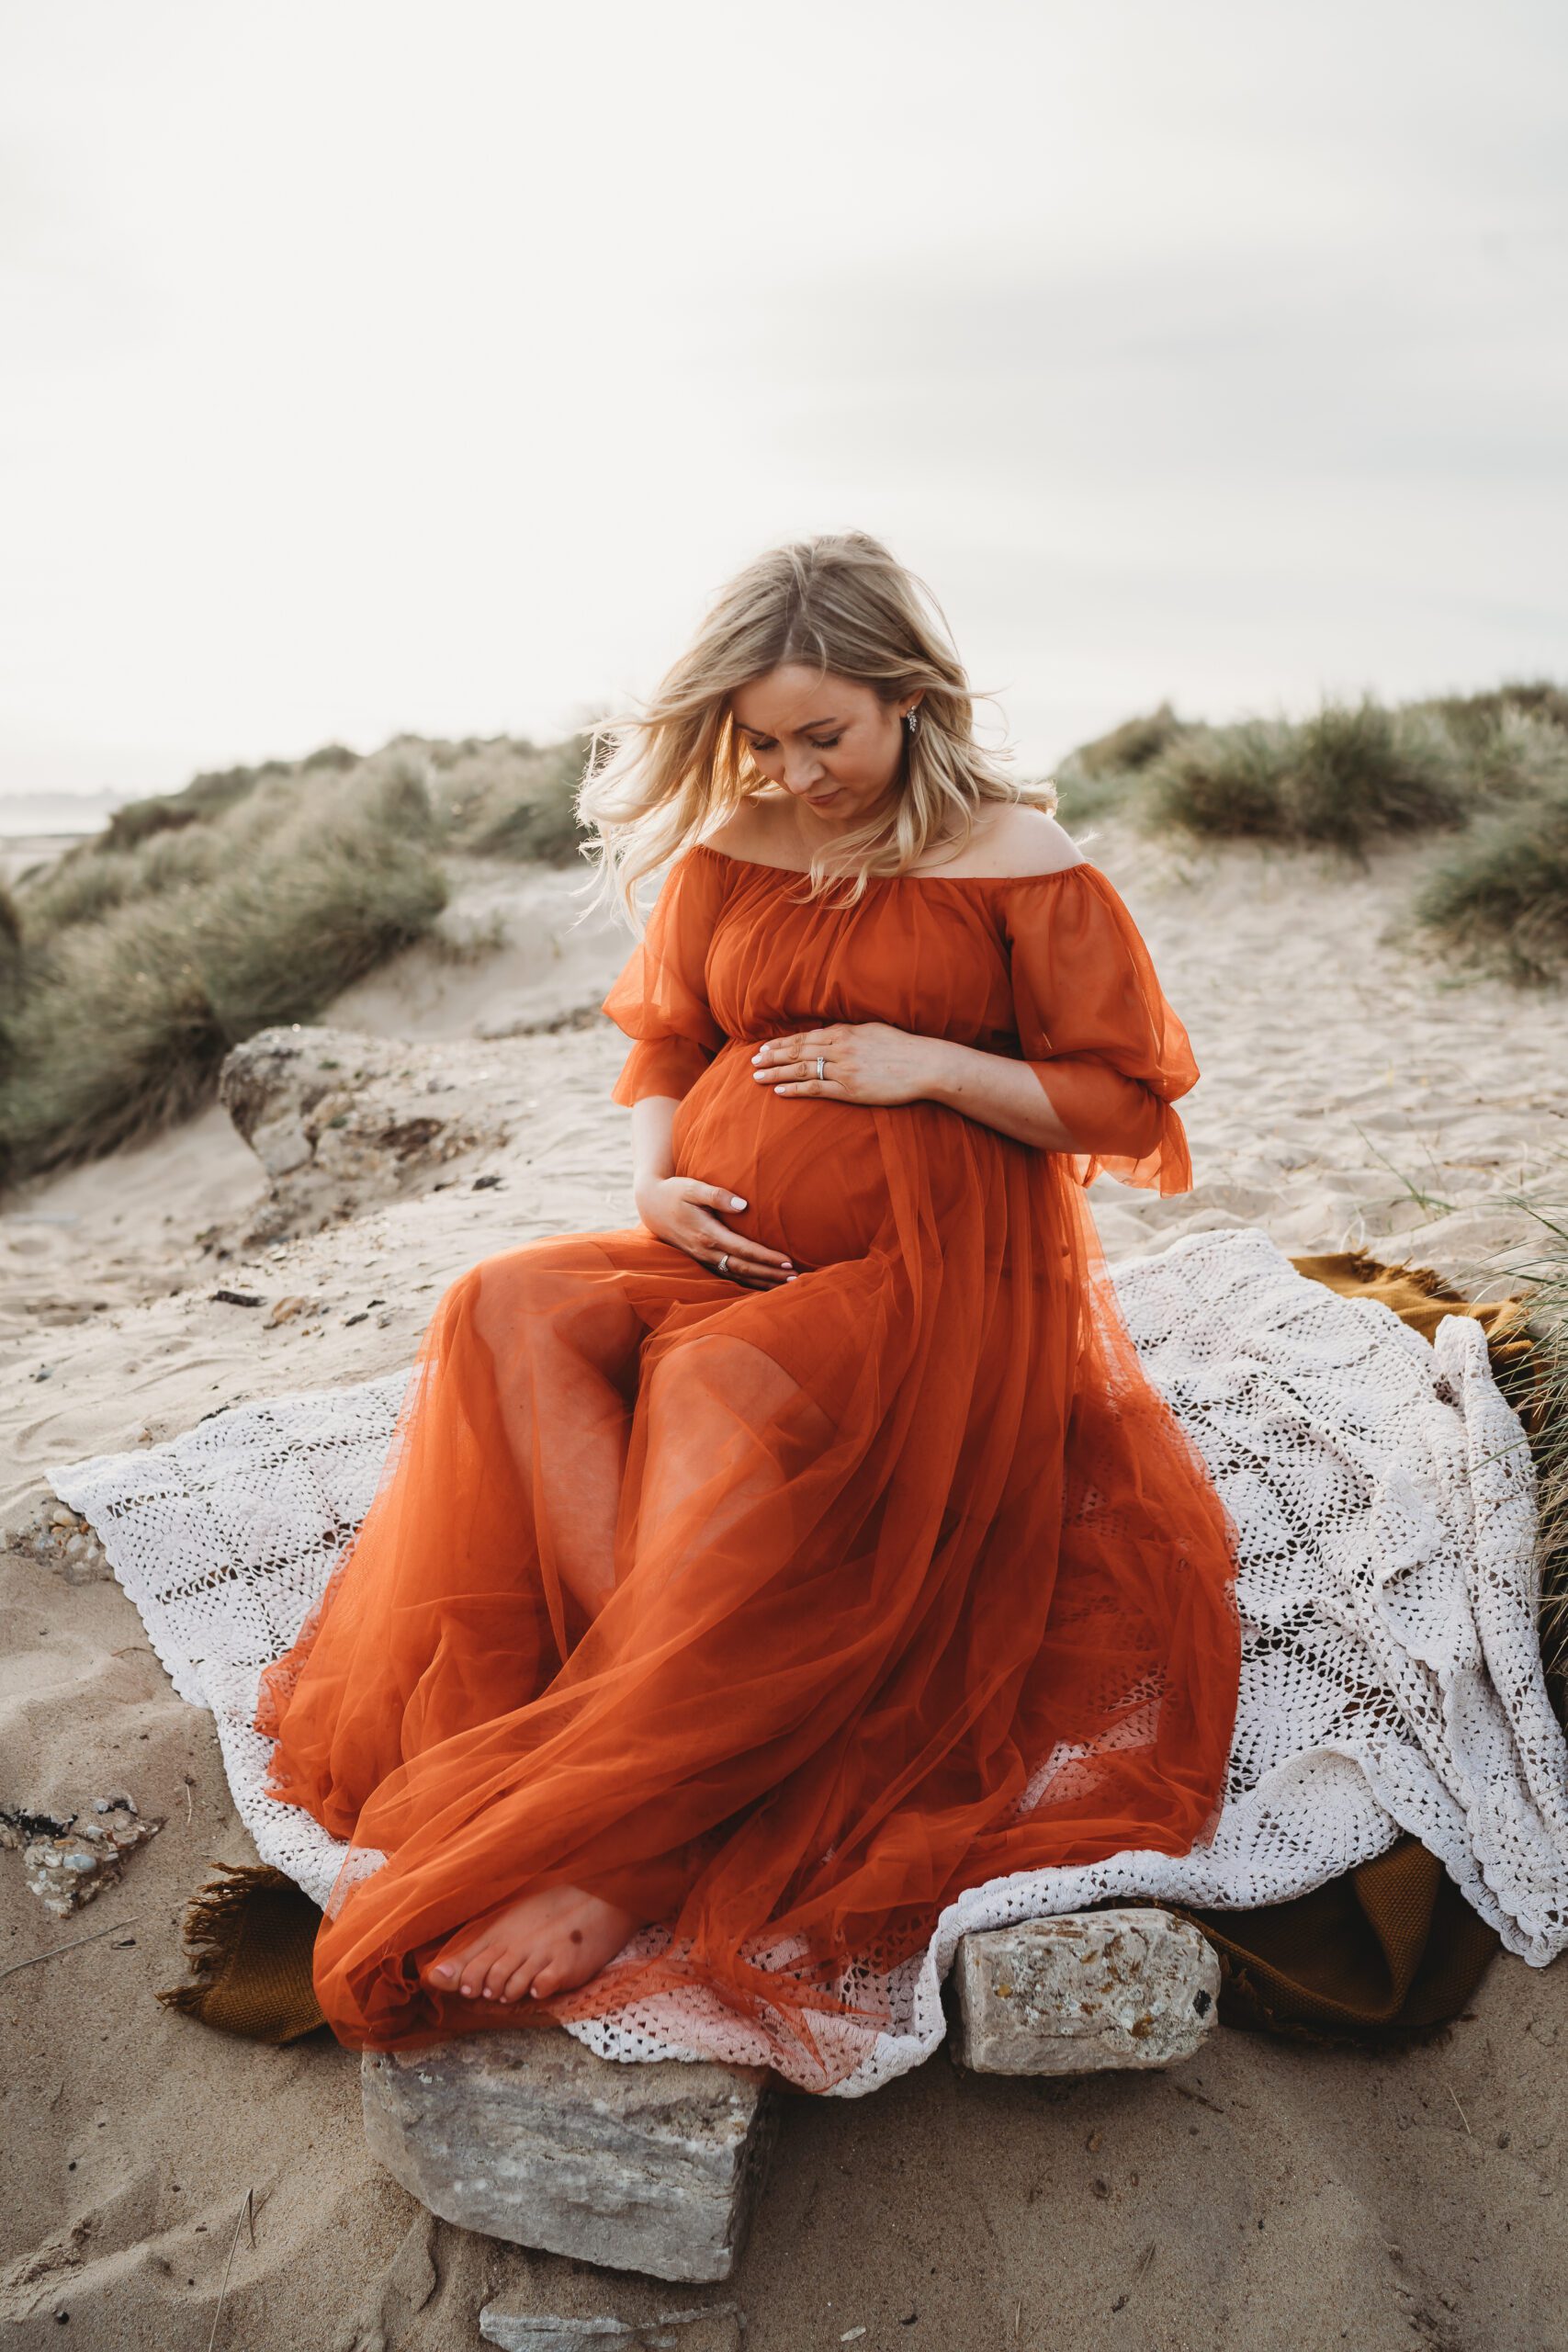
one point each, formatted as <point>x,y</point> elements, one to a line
<point>1090,1991</point>
<point>527,2135</point>
<point>715,2327</point>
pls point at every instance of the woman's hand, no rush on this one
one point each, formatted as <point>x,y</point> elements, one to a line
<point>866,1061</point>
<point>680,1210</point>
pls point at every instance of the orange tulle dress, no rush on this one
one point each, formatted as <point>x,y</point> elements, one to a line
<point>918,1581</point>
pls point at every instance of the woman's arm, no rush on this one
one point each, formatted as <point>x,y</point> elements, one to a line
<point>653,1154</point>
<point>998,1091</point>
<point>688,1213</point>
<point>870,1061</point>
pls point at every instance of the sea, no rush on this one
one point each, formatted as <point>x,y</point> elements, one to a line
<point>35,826</point>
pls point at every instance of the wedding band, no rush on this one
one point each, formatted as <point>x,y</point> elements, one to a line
<point>723,1261</point>
<point>821,1072</point>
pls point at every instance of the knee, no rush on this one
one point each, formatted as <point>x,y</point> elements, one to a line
<point>518,1281</point>
<point>552,1289</point>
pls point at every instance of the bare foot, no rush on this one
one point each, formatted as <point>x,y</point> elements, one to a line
<point>544,1943</point>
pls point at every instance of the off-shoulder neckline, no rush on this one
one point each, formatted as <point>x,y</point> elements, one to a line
<point>762,866</point>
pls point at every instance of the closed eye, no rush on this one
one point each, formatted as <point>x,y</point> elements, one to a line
<point>817,743</point>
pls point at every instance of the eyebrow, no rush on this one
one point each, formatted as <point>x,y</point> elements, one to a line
<point>795,730</point>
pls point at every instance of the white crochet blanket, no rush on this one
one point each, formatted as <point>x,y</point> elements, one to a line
<point>1392,1676</point>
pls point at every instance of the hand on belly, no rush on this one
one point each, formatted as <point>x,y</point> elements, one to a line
<point>809,1168</point>
<point>691,1213</point>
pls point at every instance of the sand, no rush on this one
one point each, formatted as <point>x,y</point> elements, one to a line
<point>1355,1093</point>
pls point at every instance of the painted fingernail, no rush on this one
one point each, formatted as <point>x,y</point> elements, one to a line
<point>736,1202</point>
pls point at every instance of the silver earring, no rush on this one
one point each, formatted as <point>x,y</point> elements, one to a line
<point>913,720</point>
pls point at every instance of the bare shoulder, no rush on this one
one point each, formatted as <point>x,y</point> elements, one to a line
<point>1018,839</point>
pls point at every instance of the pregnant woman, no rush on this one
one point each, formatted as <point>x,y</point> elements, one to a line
<point>743,1585</point>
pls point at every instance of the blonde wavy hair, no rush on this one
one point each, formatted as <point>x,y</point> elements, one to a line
<point>658,780</point>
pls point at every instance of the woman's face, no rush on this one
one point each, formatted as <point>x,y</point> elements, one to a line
<point>832,742</point>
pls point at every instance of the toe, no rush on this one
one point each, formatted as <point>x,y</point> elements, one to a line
<point>502,1963</point>
<point>448,1968</point>
<point>521,1978</point>
<point>476,1967</point>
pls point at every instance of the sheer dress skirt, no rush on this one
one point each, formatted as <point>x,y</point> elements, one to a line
<point>913,1579</point>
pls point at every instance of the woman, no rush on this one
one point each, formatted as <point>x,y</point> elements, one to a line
<point>743,1585</point>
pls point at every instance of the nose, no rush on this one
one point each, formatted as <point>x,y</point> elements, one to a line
<point>802,773</point>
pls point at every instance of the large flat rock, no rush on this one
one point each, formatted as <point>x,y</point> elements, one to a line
<point>1084,1993</point>
<point>531,2137</point>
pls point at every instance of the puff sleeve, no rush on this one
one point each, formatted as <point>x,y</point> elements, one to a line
<point>659,996</point>
<point>1094,1025</point>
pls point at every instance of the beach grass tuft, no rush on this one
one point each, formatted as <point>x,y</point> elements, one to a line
<point>1103,775</point>
<point>512,800</point>
<point>1488,770</point>
<point>1347,775</point>
<point>1499,901</point>
<point>1537,1387</point>
<point>128,1002</point>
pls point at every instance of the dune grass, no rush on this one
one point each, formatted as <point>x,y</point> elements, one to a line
<point>1489,770</point>
<point>1499,902</point>
<point>1538,1390</point>
<point>1347,775</point>
<point>512,798</point>
<point>140,967</point>
<point>1341,777</point>
<point>10,975</point>
<point>130,965</point>
<point>1103,774</point>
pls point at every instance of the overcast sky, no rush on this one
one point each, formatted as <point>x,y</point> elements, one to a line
<point>372,368</point>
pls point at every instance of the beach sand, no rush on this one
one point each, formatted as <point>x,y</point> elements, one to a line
<point>1355,1094</point>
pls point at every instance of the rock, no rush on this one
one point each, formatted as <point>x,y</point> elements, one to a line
<point>58,1540</point>
<point>1090,1991</point>
<point>285,1309</point>
<point>281,1145</point>
<point>527,2135</point>
<point>715,2328</point>
<point>20,1824</point>
<point>67,1858</point>
<point>331,1116</point>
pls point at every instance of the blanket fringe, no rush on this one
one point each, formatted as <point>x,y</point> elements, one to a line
<point>247,1936</point>
<point>214,1924</point>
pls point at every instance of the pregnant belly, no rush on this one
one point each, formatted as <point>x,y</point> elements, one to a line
<point>811,1170</point>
